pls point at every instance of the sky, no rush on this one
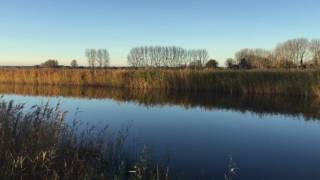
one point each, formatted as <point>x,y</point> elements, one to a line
<point>32,31</point>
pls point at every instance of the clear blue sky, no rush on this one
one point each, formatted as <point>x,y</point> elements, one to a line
<point>32,31</point>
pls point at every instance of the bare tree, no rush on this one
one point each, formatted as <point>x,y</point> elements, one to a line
<point>315,50</point>
<point>105,57</point>
<point>202,55</point>
<point>197,57</point>
<point>99,57</point>
<point>295,50</point>
<point>135,57</point>
<point>254,58</point>
<point>301,49</point>
<point>291,53</point>
<point>167,56</point>
<point>91,55</point>
<point>281,55</point>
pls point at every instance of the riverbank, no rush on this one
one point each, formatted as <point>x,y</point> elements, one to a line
<point>262,82</point>
<point>37,143</point>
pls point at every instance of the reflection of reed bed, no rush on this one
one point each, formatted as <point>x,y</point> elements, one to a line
<point>307,107</point>
<point>274,82</point>
<point>40,145</point>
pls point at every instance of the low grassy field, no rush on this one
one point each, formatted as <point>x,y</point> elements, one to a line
<point>262,82</point>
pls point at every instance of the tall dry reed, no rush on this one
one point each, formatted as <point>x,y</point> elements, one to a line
<point>38,144</point>
<point>271,82</point>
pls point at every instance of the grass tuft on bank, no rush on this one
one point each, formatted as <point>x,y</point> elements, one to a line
<point>37,143</point>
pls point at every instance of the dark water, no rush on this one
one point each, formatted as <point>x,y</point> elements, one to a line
<point>268,138</point>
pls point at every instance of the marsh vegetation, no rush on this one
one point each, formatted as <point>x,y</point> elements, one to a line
<point>267,82</point>
<point>37,143</point>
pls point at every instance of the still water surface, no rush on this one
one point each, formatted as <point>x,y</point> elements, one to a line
<point>268,138</point>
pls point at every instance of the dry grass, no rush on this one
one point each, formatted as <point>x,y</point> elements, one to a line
<point>38,144</point>
<point>272,82</point>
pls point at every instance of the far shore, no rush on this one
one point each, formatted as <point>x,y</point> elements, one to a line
<point>291,82</point>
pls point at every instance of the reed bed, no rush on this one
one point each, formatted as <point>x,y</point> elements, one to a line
<point>260,82</point>
<point>38,144</point>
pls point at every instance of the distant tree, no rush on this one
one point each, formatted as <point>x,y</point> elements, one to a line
<point>230,62</point>
<point>74,63</point>
<point>195,64</point>
<point>97,57</point>
<point>254,58</point>
<point>165,56</point>
<point>105,57</point>
<point>91,55</point>
<point>282,55</point>
<point>314,47</point>
<point>298,52</point>
<point>295,50</point>
<point>286,64</point>
<point>301,49</point>
<point>51,63</point>
<point>212,63</point>
<point>202,56</point>
<point>244,64</point>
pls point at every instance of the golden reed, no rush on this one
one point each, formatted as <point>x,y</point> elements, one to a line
<point>262,82</point>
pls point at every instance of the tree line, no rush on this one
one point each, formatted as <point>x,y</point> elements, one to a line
<point>97,57</point>
<point>166,56</point>
<point>293,53</point>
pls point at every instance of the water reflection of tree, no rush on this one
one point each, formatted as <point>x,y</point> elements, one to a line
<point>261,105</point>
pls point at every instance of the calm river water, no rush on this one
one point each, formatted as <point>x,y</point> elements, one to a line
<point>267,138</point>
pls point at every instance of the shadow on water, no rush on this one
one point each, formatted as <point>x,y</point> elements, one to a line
<point>261,105</point>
